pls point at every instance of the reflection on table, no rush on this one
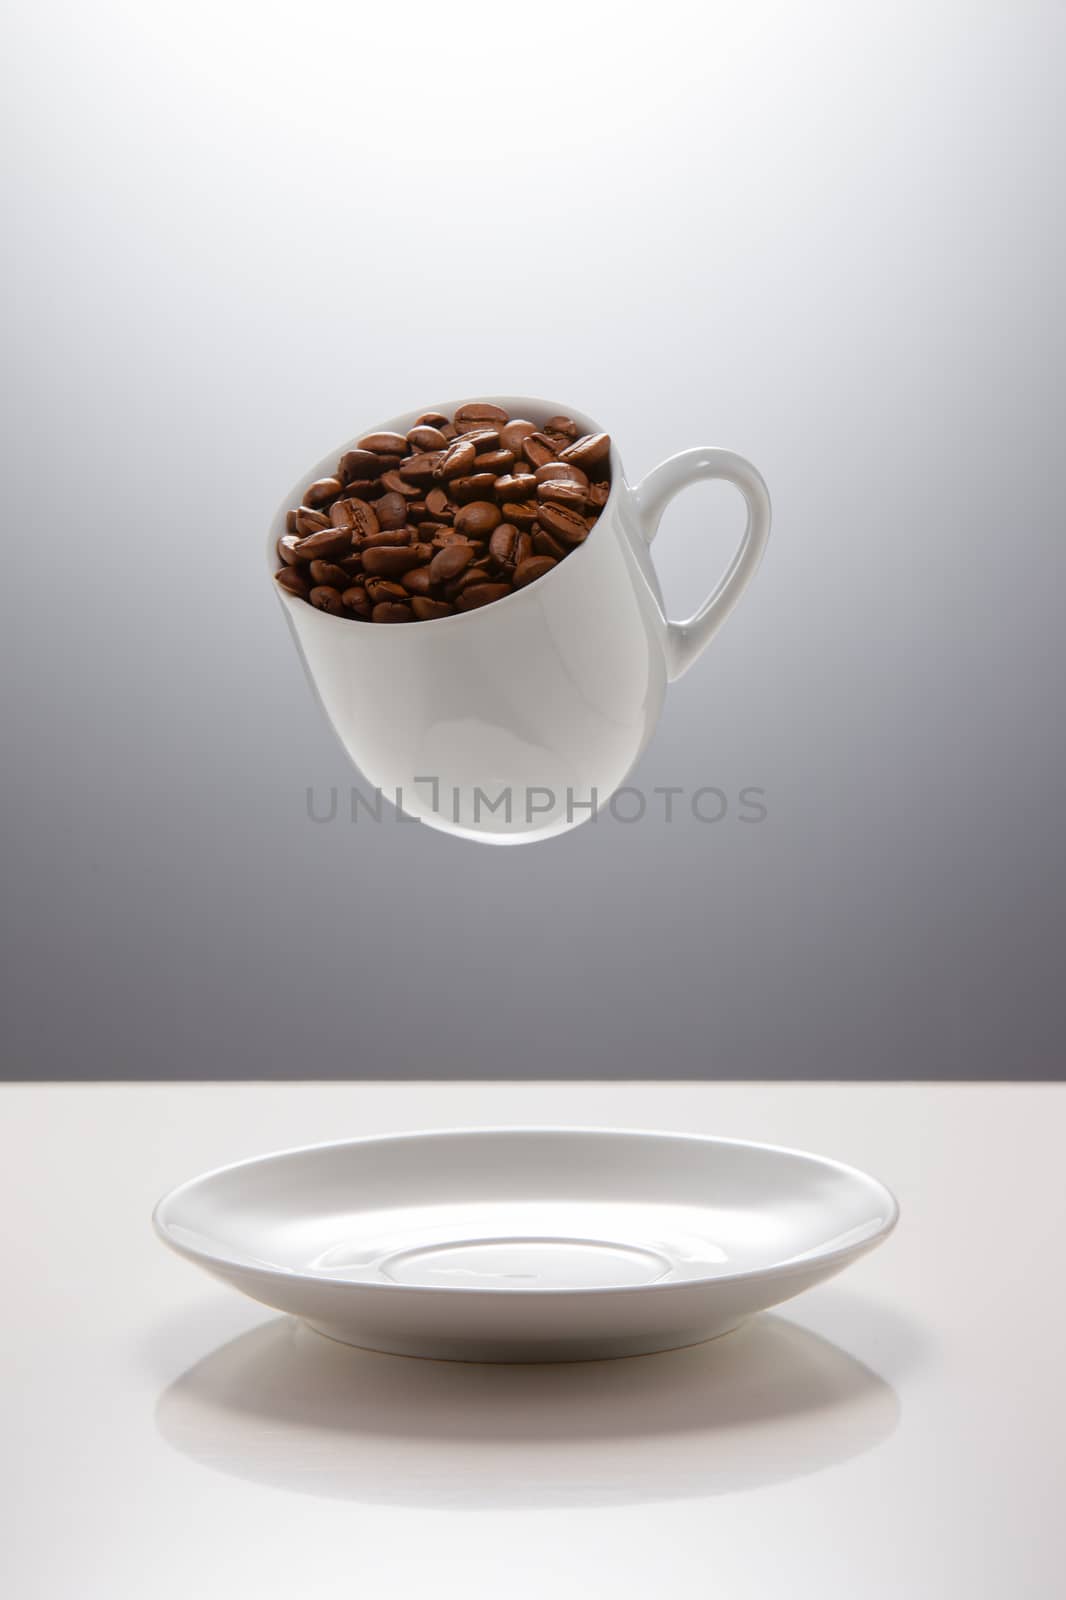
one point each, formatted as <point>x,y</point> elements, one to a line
<point>283,1406</point>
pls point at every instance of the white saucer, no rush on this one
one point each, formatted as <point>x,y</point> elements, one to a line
<point>527,1244</point>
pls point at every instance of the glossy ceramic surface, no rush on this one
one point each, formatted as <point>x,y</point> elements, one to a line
<point>517,721</point>
<point>518,1244</point>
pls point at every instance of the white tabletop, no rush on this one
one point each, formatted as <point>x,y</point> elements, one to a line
<point>899,1432</point>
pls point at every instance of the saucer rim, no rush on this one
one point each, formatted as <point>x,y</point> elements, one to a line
<point>820,1259</point>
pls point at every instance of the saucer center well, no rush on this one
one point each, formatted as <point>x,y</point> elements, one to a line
<point>526,1263</point>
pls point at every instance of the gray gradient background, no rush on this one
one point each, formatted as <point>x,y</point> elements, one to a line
<point>829,236</point>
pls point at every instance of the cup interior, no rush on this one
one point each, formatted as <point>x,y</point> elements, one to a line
<point>528,406</point>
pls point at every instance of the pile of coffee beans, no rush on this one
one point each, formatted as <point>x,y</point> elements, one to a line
<point>450,516</point>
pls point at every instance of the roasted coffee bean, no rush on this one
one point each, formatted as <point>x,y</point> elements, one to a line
<point>478,487</point>
<point>365,519</point>
<point>538,450</point>
<point>293,580</point>
<point>481,594</point>
<point>384,444</point>
<point>343,513</point>
<point>417,581</point>
<point>446,518</point>
<point>558,470</point>
<point>494,461</point>
<point>382,589</point>
<point>480,438</point>
<point>358,464</point>
<point>325,544</point>
<point>449,562</point>
<point>308,521</point>
<point>558,492</point>
<point>523,513</point>
<point>563,523</point>
<point>421,468</point>
<point>425,610</point>
<point>326,599</point>
<point>509,545</point>
<point>390,560</point>
<point>478,412</point>
<point>478,518</point>
<point>517,487</point>
<point>395,483</point>
<point>327,574</point>
<point>545,545</point>
<point>322,492</point>
<point>532,569</point>
<point>475,573</point>
<point>512,434</point>
<point>390,511</point>
<point>456,460</point>
<point>387,536</point>
<point>362,489</point>
<point>588,451</point>
<point>423,437</point>
<point>438,505</point>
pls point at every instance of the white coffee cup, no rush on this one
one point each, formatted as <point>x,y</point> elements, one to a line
<point>518,720</point>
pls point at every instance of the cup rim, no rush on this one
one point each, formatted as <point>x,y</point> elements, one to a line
<point>510,403</point>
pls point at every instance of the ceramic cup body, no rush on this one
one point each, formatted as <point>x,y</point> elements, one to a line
<point>518,720</point>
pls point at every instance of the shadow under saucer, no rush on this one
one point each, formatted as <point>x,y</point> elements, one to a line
<point>283,1406</point>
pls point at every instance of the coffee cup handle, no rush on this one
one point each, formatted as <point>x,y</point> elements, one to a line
<point>686,640</point>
